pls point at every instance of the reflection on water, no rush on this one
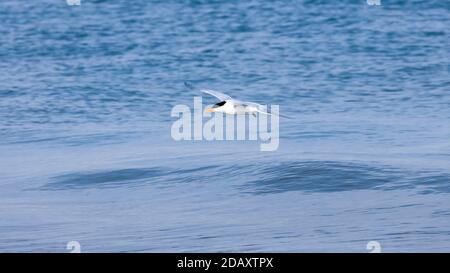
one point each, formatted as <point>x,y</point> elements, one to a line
<point>306,176</point>
<point>114,178</point>
<point>125,178</point>
<point>327,176</point>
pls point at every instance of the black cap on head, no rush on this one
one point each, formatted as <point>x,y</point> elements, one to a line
<point>219,104</point>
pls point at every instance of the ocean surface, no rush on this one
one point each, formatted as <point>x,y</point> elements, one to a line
<point>86,152</point>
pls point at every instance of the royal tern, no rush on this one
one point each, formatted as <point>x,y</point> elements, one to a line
<point>231,106</point>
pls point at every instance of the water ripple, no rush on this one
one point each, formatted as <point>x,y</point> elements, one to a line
<point>328,176</point>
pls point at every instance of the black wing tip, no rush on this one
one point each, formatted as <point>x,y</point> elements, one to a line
<point>188,85</point>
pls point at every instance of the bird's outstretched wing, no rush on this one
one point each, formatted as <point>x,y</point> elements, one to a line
<point>188,85</point>
<point>221,96</point>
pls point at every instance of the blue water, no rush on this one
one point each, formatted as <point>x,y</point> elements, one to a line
<point>85,147</point>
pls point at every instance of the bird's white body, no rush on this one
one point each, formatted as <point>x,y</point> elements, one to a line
<point>227,108</point>
<point>231,106</point>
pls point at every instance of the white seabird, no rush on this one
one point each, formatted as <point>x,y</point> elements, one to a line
<point>231,106</point>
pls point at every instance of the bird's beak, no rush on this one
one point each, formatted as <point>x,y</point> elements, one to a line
<point>210,110</point>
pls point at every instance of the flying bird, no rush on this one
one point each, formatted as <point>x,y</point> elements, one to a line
<point>231,106</point>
